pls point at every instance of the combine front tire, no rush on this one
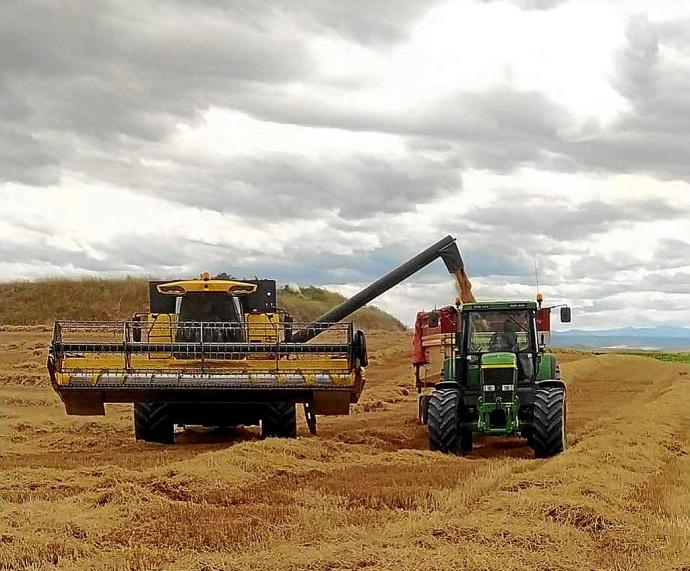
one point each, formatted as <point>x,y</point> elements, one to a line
<point>280,420</point>
<point>548,425</point>
<point>153,423</point>
<point>444,414</point>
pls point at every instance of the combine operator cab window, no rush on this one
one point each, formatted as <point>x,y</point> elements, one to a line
<point>492,331</point>
<point>210,307</point>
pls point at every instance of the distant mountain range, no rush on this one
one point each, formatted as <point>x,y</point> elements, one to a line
<point>662,337</point>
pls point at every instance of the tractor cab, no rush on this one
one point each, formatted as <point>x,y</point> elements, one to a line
<point>501,339</point>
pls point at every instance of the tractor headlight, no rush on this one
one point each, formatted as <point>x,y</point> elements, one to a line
<point>489,388</point>
<point>507,387</point>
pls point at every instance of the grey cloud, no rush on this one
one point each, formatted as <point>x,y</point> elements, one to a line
<point>677,283</point>
<point>24,159</point>
<point>114,79</point>
<point>535,4</point>
<point>673,253</point>
<point>43,253</point>
<point>653,136</point>
<point>94,86</point>
<point>566,222</point>
<point>384,21</point>
<point>499,129</point>
<point>108,70</point>
<point>280,186</point>
<point>502,129</point>
<point>105,69</point>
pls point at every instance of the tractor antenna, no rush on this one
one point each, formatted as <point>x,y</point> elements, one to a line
<point>540,297</point>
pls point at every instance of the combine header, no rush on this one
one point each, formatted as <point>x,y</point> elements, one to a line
<point>220,353</point>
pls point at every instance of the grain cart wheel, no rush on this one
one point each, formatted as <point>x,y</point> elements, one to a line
<point>443,418</point>
<point>423,411</point>
<point>359,348</point>
<point>153,423</point>
<point>279,419</point>
<point>465,441</point>
<point>548,424</point>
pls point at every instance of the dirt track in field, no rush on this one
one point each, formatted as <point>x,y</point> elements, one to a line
<point>80,493</point>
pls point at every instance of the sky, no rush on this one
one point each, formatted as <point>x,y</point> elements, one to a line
<point>319,142</point>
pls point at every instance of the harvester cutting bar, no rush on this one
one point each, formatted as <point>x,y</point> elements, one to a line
<point>182,355</point>
<point>191,349</point>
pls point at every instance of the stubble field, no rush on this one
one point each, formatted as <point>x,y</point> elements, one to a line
<point>80,493</point>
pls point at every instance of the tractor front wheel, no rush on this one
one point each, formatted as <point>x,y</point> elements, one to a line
<point>153,422</point>
<point>548,422</point>
<point>280,420</point>
<point>444,414</point>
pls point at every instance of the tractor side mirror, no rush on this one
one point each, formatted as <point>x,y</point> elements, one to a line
<point>565,315</point>
<point>433,319</point>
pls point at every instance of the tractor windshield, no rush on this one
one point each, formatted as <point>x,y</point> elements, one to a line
<point>492,331</point>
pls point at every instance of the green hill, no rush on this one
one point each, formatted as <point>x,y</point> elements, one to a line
<point>41,302</point>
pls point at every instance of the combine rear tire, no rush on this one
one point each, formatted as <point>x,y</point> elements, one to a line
<point>548,425</point>
<point>279,420</point>
<point>444,414</point>
<point>153,423</point>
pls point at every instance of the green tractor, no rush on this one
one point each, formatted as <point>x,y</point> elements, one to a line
<point>499,381</point>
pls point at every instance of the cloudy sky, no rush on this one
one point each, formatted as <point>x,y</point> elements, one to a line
<point>323,142</point>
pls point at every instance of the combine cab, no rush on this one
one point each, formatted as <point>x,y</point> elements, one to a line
<point>489,371</point>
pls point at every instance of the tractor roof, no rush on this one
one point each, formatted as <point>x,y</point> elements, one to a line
<point>499,305</point>
<point>228,287</point>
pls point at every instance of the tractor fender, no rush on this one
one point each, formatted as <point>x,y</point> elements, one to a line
<point>551,384</point>
<point>443,385</point>
<point>548,367</point>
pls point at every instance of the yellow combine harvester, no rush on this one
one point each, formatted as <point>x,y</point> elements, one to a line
<point>220,353</point>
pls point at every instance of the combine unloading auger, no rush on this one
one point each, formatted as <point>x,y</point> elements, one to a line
<point>445,249</point>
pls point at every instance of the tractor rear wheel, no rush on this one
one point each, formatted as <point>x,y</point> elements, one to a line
<point>444,413</point>
<point>548,422</point>
<point>153,422</point>
<point>280,420</point>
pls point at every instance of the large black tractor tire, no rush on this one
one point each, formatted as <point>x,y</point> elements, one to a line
<point>547,437</point>
<point>444,414</point>
<point>153,422</point>
<point>279,420</point>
